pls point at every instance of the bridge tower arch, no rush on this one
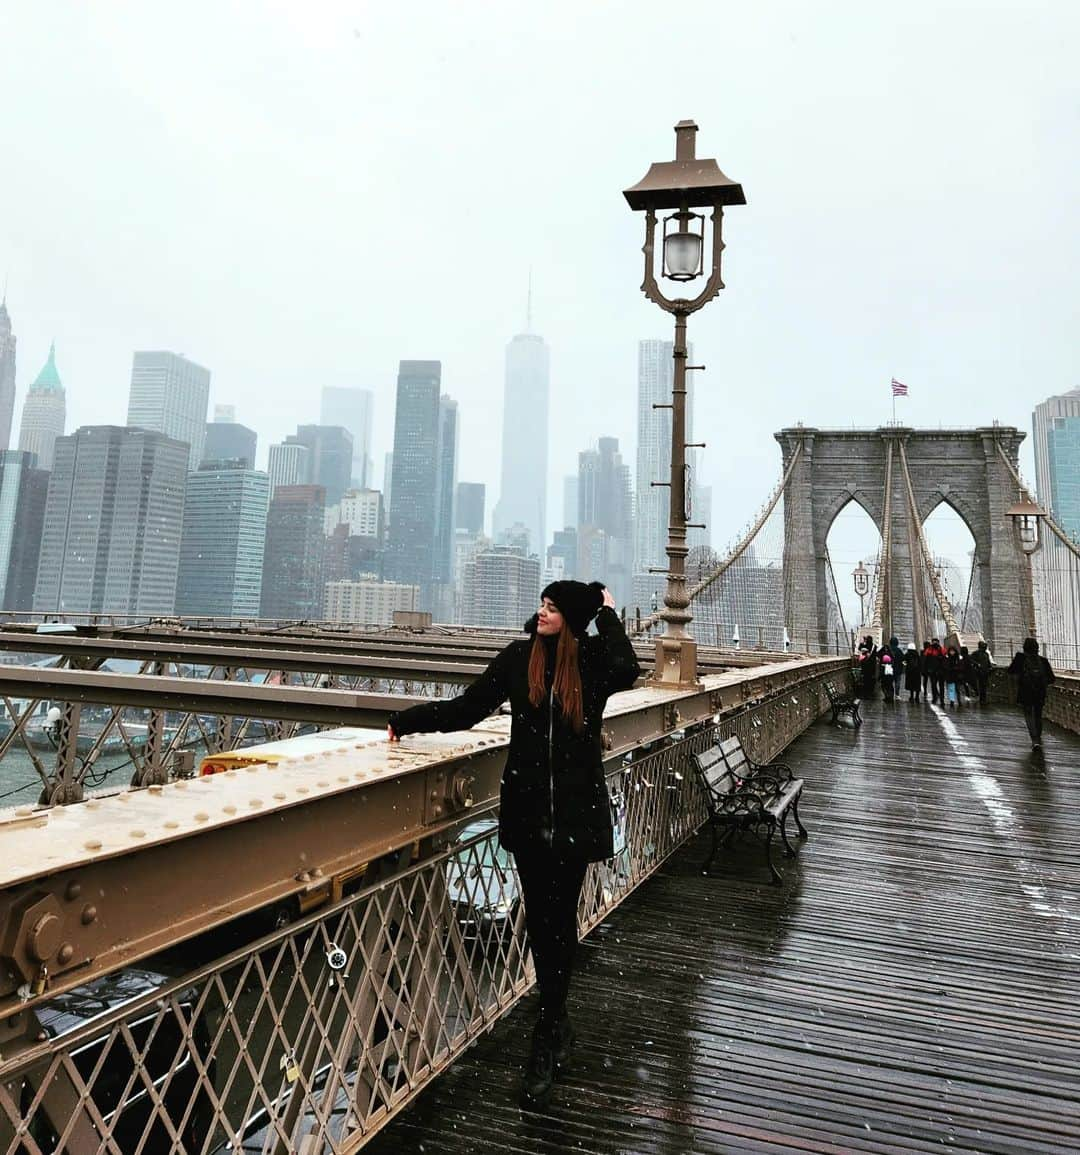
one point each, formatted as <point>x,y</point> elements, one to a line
<point>959,466</point>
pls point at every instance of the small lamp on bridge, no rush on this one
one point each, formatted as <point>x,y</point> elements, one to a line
<point>1026,516</point>
<point>683,184</point>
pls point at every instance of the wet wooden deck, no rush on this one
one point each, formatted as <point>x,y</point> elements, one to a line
<point>912,986</point>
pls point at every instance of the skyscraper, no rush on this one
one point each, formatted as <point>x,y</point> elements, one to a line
<point>23,489</point>
<point>570,496</point>
<point>446,487</point>
<point>605,504</point>
<point>290,464</point>
<point>221,549</point>
<point>413,514</point>
<point>1056,427</point>
<point>170,394</point>
<point>113,515</point>
<point>7,375</point>
<point>292,585</point>
<point>469,507</point>
<point>523,489</point>
<point>655,379</point>
<point>502,588</point>
<point>331,449</point>
<point>229,441</point>
<point>352,409</point>
<point>44,413</point>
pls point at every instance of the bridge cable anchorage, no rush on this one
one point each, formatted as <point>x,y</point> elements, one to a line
<point>735,552</point>
<point>935,581</point>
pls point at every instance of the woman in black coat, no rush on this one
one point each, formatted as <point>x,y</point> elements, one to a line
<point>912,674</point>
<point>554,812</point>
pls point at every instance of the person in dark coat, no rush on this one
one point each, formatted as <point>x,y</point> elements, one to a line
<point>935,665</point>
<point>980,670</point>
<point>888,676</point>
<point>868,666</point>
<point>952,673</point>
<point>912,674</point>
<point>924,668</point>
<point>1033,676</point>
<point>555,810</point>
<point>966,685</point>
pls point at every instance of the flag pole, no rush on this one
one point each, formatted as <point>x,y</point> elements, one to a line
<point>893,392</point>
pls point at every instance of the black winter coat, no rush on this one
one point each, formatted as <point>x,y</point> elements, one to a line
<point>553,788</point>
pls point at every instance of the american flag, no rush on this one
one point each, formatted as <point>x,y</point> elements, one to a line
<point>899,389</point>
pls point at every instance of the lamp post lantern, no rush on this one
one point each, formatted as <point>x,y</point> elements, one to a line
<point>682,184</point>
<point>1026,516</point>
<point>861,577</point>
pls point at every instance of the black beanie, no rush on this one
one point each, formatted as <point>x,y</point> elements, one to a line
<point>577,602</point>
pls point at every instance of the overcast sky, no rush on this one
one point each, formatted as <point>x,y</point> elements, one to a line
<point>301,195</point>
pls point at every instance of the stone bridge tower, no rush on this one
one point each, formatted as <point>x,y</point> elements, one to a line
<point>959,466</point>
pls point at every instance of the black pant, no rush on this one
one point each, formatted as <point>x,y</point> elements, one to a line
<point>551,886</point>
<point>1033,718</point>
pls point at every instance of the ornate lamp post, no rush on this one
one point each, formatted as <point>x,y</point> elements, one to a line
<point>682,184</point>
<point>861,577</point>
<point>1026,516</point>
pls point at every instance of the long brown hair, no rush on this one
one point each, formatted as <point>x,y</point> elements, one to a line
<point>567,682</point>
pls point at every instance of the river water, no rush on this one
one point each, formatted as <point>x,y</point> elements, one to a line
<point>20,783</point>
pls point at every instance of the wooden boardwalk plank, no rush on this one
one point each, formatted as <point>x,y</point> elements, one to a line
<point>912,985</point>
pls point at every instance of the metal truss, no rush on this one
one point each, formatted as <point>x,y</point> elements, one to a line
<point>312,1038</point>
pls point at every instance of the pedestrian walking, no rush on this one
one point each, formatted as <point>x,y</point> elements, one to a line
<point>888,677</point>
<point>868,666</point>
<point>935,664</point>
<point>981,663</point>
<point>966,685</point>
<point>924,669</point>
<point>555,810</point>
<point>1033,677</point>
<point>913,675</point>
<point>952,673</point>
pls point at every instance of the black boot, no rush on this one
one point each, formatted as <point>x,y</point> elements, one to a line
<point>540,1070</point>
<point>564,1042</point>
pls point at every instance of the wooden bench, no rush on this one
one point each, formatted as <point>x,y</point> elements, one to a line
<point>843,702</point>
<point>742,795</point>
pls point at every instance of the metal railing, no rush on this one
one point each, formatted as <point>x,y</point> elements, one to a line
<point>312,1038</point>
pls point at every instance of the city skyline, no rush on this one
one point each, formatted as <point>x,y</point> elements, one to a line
<point>885,273</point>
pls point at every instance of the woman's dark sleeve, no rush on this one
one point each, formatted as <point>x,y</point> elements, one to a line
<point>1049,672</point>
<point>1016,665</point>
<point>621,664</point>
<point>482,698</point>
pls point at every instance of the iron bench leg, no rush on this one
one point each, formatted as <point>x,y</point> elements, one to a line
<point>798,820</point>
<point>712,853</point>
<point>789,850</point>
<point>777,876</point>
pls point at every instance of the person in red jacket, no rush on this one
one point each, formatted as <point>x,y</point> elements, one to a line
<point>554,808</point>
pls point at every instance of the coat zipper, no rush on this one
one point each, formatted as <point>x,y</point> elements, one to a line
<point>551,764</point>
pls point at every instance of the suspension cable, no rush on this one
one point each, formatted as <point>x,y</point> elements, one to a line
<point>737,551</point>
<point>946,608</point>
<point>885,557</point>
